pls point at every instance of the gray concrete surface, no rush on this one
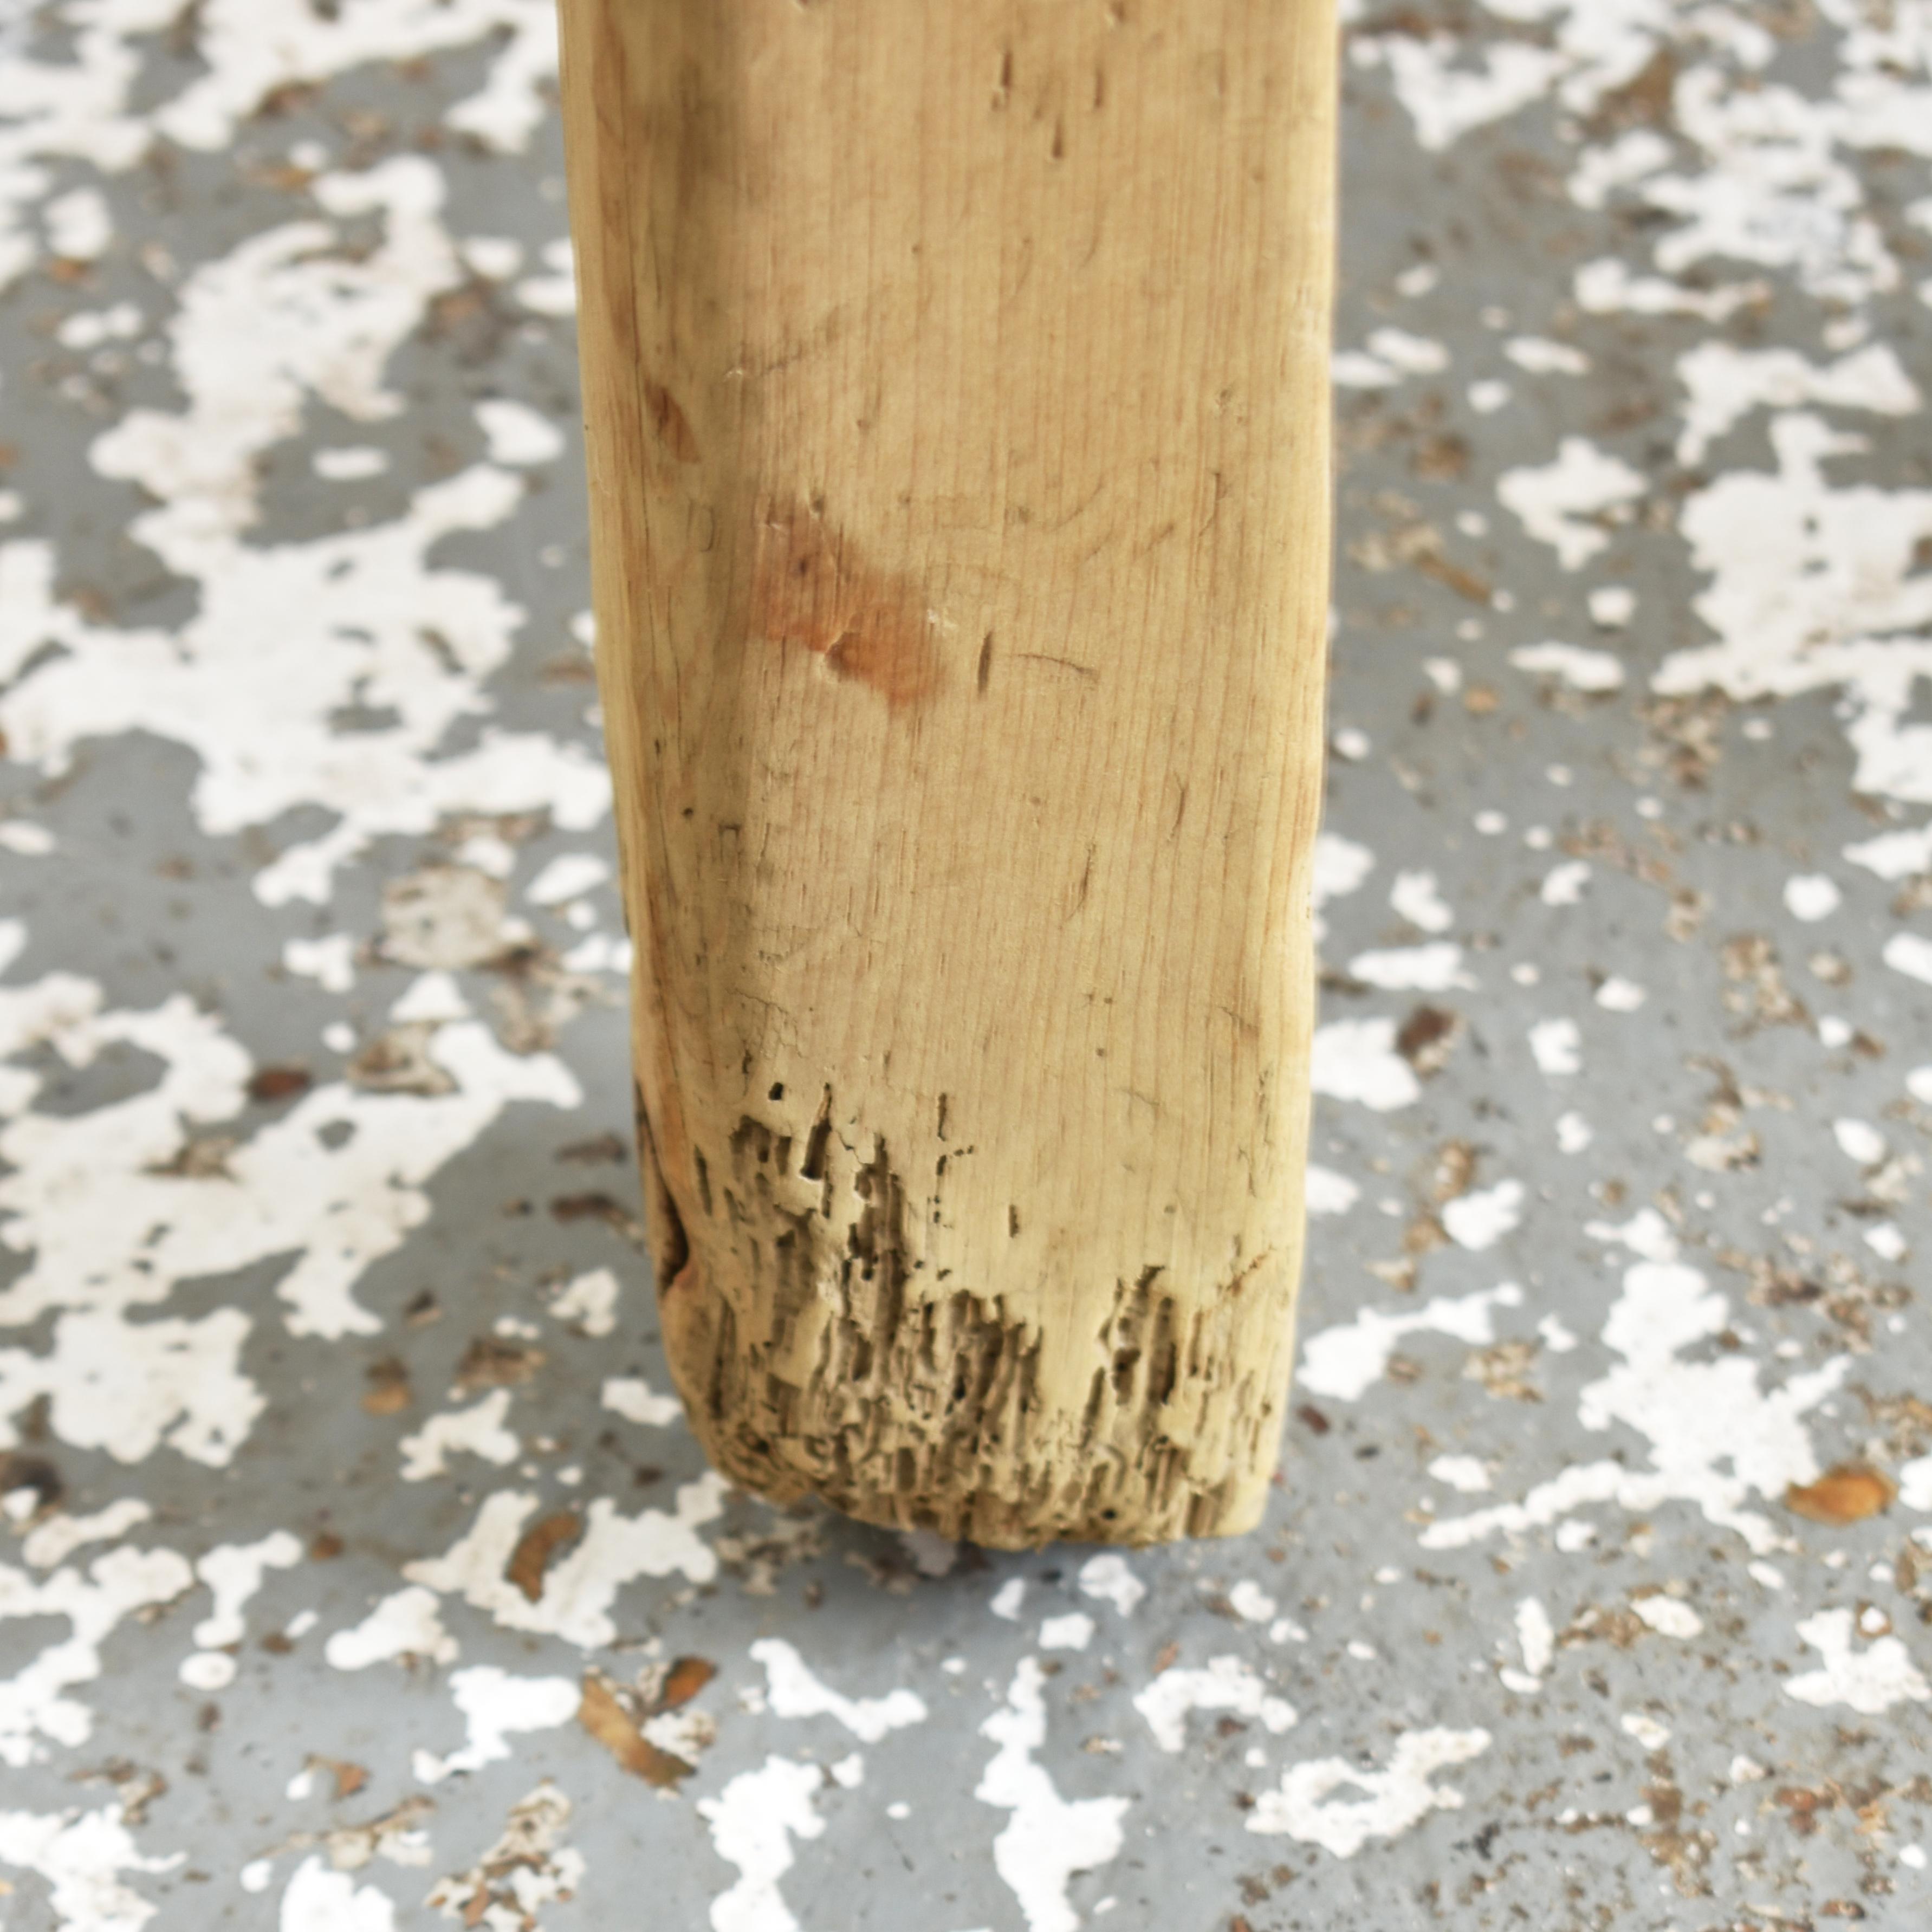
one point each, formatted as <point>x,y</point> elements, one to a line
<point>1596,1591</point>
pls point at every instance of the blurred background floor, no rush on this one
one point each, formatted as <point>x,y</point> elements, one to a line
<point>358,1573</point>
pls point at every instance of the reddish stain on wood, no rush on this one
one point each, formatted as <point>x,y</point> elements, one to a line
<point>811,588</point>
<point>673,426</point>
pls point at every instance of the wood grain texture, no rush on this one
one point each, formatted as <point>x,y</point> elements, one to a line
<point>955,387</point>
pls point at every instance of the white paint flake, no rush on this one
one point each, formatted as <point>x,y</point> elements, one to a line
<point>1895,855</point>
<point>568,876</point>
<point>57,1538</point>
<point>1542,357</point>
<point>114,1220</point>
<point>318,1900</point>
<point>1108,1578</point>
<point>1325,1192</point>
<point>360,617</point>
<point>1073,1631</point>
<point>1340,866</point>
<point>406,1624</point>
<point>1393,1801</point>
<point>529,1862</point>
<point>1481,1219</point>
<point>118,1585</point>
<point>1564,885</point>
<point>1356,1059</point>
<point>1450,88</point>
<point>1716,1438</point>
<point>1251,1603</point>
<point>1468,1474</point>
<point>1048,1838</point>
<point>635,1400</point>
<point>330,962</point>
<point>1227,1683</point>
<point>1915,1483</point>
<point>81,1854</point>
<point>496,1704</point>
<point>1870,1681</point>
<point>350,463</point>
<point>1859,1141</point>
<point>793,1691</point>
<point>1576,665</point>
<point>1565,503</point>
<point>1724,384</point>
<point>1670,1616</point>
<point>517,435</point>
<point>1814,587</point>
<point>1417,898</point>
<point>1611,606</point>
<point>582,1585</point>
<point>1645,1728</point>
<point>1006,1601</point>
<point>1536,1637</point>
<point>555,292</point>
<point>78,225</point>
<point>478,1430</point>
<point>588,1303</point>
<point>1557,1047</point>
<point>1436,967</point>
<point>234,1572</point>
<point>1391,355</point>
<point>1909,953</point>
<point>752,1822</point>
<point>1345,1361</point>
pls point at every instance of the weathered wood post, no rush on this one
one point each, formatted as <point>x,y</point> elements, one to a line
<point>956,382</point>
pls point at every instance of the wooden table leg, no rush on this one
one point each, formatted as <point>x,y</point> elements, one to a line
<point>955,383</point>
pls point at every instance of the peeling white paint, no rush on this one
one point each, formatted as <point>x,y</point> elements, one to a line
<point>495,1705</point>
<point>1356,1059</point>
<point>1073,1631</point>
<point>1715,1437</point>
<point>82,1856</point>
<point>635,1400</point>
<point>752,1822</point>
<point>1468,1474</point>
<point>1557,1047</point>
<point>1481,1219</point>
<point>1670,1616</point>
<point>55,1540</point>
<point>1576,665</point>
<point>1108,1578</point>
<point>1723,384</point>
<point>517,435</point>
<point>34,1702</point>
<point>1393,1801</point>
<point>793,1691</point>
<point>581,1586</point>
<point>406,1624</point>
<point>1325,1192</point>
<point>1564,503</point>
<point>1048,1838</point>
<point>478,1430</point>
<point>1345,1361</point>
<point>1436,967</point>
<point>1870,1681</point>
<point>318,1900</point>
<point>1226,1683</point>
<point>1416,897</point>
<point>1813,587</point>
<point>588,1303</point>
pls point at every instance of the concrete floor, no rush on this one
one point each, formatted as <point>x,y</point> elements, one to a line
<point>1596,1590</point>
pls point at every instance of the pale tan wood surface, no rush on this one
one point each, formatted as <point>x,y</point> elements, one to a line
<point>955,387</point>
